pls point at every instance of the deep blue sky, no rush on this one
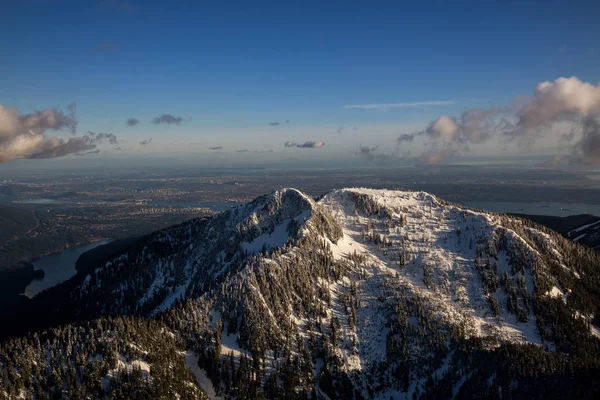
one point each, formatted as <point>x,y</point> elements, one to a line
<point>233,68</point>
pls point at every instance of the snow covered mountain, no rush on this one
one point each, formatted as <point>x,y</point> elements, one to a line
<point>192,258</point>
<point>364,293</point>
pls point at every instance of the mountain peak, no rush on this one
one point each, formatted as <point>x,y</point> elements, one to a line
<point>381,288</point>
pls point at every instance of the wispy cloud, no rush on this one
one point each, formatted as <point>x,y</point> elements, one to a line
<point>366,152</point>
<point>215,148</point>
<point>266,150</point>
<point>98,138</point>
<point>388,106</point>
<point>109,45</point>
<point>373,154</point>
<point>167,119</point>
<point>132,121</point>
<point>310,144</point>
<point>146,142</point>
<point>277,123</point>
<point>406,137</point>
<point>97,151</point>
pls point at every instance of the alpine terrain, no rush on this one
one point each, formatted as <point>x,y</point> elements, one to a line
<point>358,294</point>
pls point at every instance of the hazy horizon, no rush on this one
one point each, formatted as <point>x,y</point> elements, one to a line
<point>388,84</point>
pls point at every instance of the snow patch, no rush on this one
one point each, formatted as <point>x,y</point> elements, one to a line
<point>556,292</point>
<point>191,361</point>
<point>277,238</point>
<point>177,294</point>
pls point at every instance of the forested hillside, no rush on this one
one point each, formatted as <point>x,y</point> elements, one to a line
<point>361,294</point>
<point>106,358</point>
<point>582,228</point>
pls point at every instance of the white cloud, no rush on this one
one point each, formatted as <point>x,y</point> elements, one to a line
<point>23,136</point>
<point>444,127</point>
<point>388,106</point>
<point>529,121</point>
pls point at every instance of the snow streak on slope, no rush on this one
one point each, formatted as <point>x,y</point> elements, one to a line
<point>191,361</point>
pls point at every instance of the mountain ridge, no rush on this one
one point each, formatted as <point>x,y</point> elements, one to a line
<point>365,292</point>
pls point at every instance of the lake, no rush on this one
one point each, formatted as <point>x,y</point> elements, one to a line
<point>58,267</point>
<point>551,209</point>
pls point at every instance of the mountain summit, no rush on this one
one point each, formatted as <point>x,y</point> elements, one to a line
<point>364,293</point>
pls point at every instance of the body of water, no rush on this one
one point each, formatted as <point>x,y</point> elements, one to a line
<point>552,209</point>
<point>37,201</point>
<point>58,267</point>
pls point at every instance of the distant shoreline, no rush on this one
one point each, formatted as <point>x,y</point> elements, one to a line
<point>67,246</point>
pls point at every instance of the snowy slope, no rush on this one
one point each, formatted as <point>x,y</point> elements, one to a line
<point>380,289</point>
<point>429,237</point>
<point>460,275</point>
<point>191,258</point>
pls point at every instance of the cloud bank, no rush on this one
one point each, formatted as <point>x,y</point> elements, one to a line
<point>527,120</point>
